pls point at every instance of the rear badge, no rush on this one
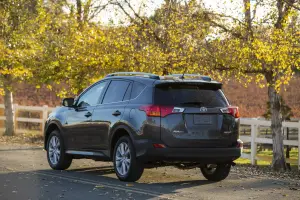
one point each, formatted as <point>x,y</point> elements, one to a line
<point>203,109</point>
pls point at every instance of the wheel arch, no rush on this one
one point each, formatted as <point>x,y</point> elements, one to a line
<point>50,127</point>
<point>117,132</point>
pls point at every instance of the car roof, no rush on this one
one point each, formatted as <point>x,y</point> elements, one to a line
<point>153,79</point>
<point>154,82</point>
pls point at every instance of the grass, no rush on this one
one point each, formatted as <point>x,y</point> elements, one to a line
<point>266,155</point>
<point>25,138</point>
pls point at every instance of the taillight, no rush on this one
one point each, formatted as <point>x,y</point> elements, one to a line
<point>151,110</point>
<point>232,110</point>
<point>160,111</point>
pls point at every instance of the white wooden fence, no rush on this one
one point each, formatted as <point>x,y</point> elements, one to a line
<point>254,139</point>
<point>44,111</point>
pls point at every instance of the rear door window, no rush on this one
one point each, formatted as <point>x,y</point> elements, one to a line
<point>189,95</point>
<point>116,91</point>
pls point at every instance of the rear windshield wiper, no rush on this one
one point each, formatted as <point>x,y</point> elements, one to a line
<point>192,103</point>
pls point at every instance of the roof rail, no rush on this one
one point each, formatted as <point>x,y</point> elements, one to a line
<point>183,76</point>
<point>141,74</point>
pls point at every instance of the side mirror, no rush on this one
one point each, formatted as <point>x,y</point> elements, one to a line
<point>68,102</point>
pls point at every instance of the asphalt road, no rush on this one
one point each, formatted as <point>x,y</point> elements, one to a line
<point>25,174</point>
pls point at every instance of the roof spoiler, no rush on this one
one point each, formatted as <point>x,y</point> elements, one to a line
<point>205,85</point>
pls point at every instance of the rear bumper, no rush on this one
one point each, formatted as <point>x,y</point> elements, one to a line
<point>200,155</point>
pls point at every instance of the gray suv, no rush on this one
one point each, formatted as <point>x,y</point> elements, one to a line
<point>141,120</point>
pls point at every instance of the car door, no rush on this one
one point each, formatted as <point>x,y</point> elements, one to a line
<point>110,111</point>
<point>79,124</point>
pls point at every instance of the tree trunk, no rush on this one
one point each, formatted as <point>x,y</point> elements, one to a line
<point>279,161</point>
<point>8,106</point>
<point>288,149</point>
<point>86,10</point>
<point>248,20</point>
<point>79,11</point>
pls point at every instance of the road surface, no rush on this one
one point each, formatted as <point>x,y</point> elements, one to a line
<point>25,174</point>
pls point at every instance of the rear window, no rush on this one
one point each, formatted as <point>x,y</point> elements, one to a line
<point>189,95</point>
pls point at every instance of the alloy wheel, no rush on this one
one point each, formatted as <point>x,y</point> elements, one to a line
<point>123,159</point>
<point>54,150</point>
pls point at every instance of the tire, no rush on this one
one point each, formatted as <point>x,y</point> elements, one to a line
<point>127,166</point>
<point>63,160</point>
<point>219,173</point>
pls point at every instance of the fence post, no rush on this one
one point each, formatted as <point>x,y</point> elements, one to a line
<point>15,116</point>
<point>44,117</point>
<point>254,129</point>
<point>299,146</point>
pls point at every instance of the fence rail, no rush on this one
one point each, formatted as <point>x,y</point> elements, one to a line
<point>253,139</point>
<point>43,110</point>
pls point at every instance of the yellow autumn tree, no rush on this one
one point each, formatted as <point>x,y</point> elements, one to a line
<point>264,48</point>
<point>169,41</point>
<point>18,47</point>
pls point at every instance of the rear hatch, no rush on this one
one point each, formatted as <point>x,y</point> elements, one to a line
<point>197,119</point>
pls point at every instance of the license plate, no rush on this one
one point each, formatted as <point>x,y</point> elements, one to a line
<point>202,119</point>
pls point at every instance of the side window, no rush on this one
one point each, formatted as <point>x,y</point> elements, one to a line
<point>91,97</point>
<point>137,89</point>
<point>115,91</point>
<point>128,92</point>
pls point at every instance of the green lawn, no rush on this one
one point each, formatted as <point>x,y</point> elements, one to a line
<point>267,155</point>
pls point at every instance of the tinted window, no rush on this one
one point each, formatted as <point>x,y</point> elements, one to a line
<point>116,91</point>
<point>91,97</point>
<point>184,95</point>
<point>137,89</point>
<point>128,92</point>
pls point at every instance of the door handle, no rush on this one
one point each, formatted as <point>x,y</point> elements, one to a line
<point>116,113</point>
<point>88,114</point>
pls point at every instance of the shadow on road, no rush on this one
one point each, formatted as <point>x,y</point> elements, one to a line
<point>52,184</point>
<point>105,176</point>
<point>89,183</point>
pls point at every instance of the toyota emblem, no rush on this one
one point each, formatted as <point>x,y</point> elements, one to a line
<point>203,109</point>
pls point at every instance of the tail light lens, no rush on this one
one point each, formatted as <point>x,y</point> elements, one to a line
<point>232,110</point>
<point>160,111</point>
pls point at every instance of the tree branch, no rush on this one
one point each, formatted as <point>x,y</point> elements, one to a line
<point>258,2</point>
<point>223,15</point>
<point>283,11</point>
<point>135,13</point>
<point>223,27</point>
<point>143,23</point>
<point>292,4</point>
<point>97,10</point>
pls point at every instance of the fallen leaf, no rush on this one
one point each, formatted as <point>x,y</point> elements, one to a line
<point>99,186</point>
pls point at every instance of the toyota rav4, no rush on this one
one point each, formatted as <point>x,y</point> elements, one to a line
<point>141,120</point>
